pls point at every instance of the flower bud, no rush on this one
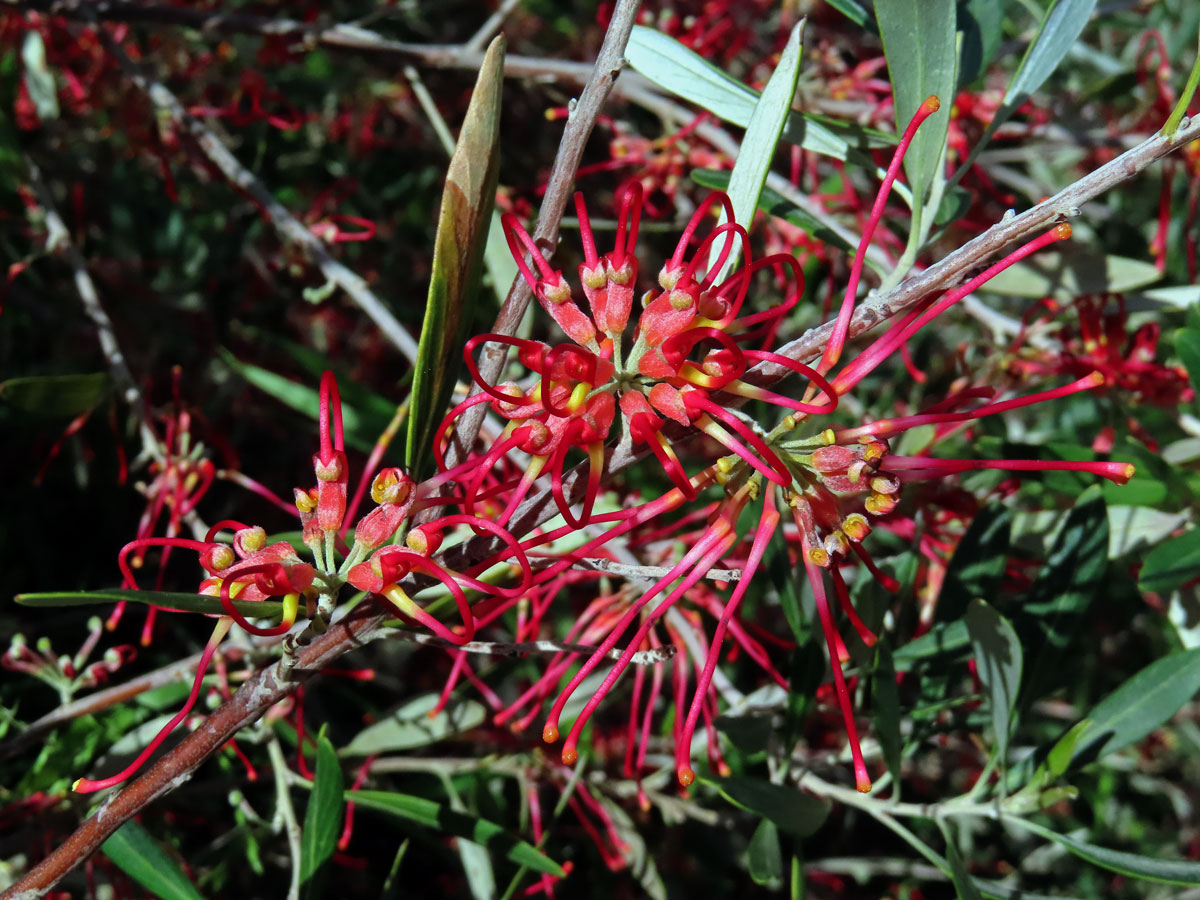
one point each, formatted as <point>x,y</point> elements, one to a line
<point>391,485</point>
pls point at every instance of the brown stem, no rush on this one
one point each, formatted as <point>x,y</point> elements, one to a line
<point>582,118</point>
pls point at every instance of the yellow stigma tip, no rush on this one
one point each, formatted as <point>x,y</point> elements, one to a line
<point>549,734</point>
<point>686,776</point>
<point>76,783</point>
<point>1062,231</point>
<point>569,755</point>
<point>932,104</point>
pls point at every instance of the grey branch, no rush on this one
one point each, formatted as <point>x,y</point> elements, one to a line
<point>651,573</point>
<point>289,226</point>
<point>520,648</point>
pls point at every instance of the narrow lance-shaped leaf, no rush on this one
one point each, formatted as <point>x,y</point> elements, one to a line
<point>1060,28</point>
<point>323,818</point>
<point>194,603</point>
<point>144,860</point>
<point>685,73</point>
<point>1139,706</point>
<point>1166,871</point>
<point>1172,563</point>
<point>458,249</point>
<point>463,825</point>
<point>758,146</point>
<point>998,661</point>
<point>918,40</point>
<point>56,395</point>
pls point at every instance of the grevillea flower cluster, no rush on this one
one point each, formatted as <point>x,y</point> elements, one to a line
<point>693,356</point>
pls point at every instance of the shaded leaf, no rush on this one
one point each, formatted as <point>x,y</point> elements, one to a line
<point>978,562</point>
<point>919,43</point>
<point>793,811</point>
<point>1170,564</point>
<point>980,22</point>
<point>411,726</point>
<point>885,701</point>
<point>362,426</point>
<point>142,858</point>
<point>459,245</point>
<point>323,818</point>
<point>943,637</point>
<point>1166,871</point>
<point>446,821</point>
<point>1140,705</point>
<point>1073,576</point>
<point>764,859</point>
<point>1187,345</point>
<point>964,886</point>
<point>56,395</point>
<point>196,603</point>
<point>998,660</point>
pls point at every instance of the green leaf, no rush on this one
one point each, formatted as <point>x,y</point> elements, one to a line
<point>463,825</point>
<point>979,561</point>
<point>1060,755</point>
<point>56,395</point>
<point>981,23</point>
<point>1170,564</point>
<point>685,73</point>
<point>1185,99</point>
<point>410,726</point>
<point>142,858</point>
<point>459,244</point>
<point>196,603</point>
<point>1065,274</point>
<point>775,204</point>
<point>964,886</point>
<point>1073,576</point>
<point>1140,705</point>
<point>322,819</point>
<point>885,702</point>
<point>362,425</point>
<point>764,860</point>
<point>919,43</point>
<point>1187,345</point>
<point>793,811</point>
<point>943,637</point>
<point>1063,23</point>
<point>1165,871</point>
<point>757,149</point>
<point>998,661</point>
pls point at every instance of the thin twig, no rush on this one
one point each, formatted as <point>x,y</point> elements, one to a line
<point>58,241</point>
<point>609,62</point>
<point>479,39</point>
<point>652,573</point>
<point>521,648</point>
<point>285,813</point>
<point>288,225</point>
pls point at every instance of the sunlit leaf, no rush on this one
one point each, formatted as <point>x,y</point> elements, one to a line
<point>758,146</point>
<point>918,41</point>
<point>459,244</point>
<point>685,73</point>
<point>1069,273</point>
